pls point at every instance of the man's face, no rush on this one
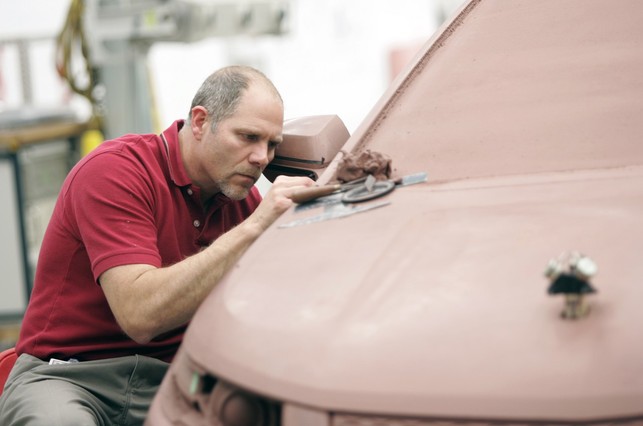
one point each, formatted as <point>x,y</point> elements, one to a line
<point>242,145</point>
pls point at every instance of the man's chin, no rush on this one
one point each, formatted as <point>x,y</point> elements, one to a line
<point>235,192</point>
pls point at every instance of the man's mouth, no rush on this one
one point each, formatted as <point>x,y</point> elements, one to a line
<point>249,177</point>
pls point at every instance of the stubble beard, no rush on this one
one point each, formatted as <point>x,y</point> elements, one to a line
<point>235,192</point>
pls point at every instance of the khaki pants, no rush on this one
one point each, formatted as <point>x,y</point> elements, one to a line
<point>115,391</point>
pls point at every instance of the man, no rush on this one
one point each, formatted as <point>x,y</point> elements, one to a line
<point>144,228</point>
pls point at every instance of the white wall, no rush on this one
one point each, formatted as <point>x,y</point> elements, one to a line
<point>334,60</point>
<point>31,18</point>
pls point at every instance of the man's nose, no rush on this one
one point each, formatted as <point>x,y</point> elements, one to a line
<point>259,155</point>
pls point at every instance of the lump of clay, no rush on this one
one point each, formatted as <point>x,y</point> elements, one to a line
<point>355,166</point>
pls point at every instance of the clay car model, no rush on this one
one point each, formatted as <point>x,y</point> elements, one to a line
<point>505,289</point>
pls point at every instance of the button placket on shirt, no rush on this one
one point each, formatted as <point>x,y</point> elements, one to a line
<point>196,222</point>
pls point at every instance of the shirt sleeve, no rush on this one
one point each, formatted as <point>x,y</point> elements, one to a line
<point>111,203</point>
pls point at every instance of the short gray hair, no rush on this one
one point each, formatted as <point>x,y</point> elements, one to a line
<point>221,92</point>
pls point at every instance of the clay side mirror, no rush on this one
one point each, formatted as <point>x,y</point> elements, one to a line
<point>309,145</point>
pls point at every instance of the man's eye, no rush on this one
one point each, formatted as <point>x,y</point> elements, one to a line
<point>251,137</point>
<point>273,144</point>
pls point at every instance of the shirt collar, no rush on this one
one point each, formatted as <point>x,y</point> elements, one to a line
<point>170,137</point>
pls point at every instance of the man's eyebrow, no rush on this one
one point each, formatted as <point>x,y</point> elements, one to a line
<point>248,129</point>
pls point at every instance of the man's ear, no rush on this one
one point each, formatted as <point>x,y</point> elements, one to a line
<point>199,121</point>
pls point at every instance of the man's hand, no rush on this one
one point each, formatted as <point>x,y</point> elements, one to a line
<point>277,199</point>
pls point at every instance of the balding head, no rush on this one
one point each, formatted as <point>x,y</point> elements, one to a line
<point>221,91</point>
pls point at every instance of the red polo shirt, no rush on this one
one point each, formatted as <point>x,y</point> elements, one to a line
<point>129,201</point>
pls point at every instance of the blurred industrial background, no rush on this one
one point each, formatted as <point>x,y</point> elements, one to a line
<point>73,72</point>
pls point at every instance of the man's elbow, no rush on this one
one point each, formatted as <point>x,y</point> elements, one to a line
<point>141,338</point>
<point>141,332</point>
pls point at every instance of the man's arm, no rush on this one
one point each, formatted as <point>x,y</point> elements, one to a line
<point>149,301</point>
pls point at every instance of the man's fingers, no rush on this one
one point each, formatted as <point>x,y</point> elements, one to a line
<point>309,193</point>
<point>289,181</point>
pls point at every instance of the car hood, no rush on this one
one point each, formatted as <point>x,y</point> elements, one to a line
<point>436,304</point>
